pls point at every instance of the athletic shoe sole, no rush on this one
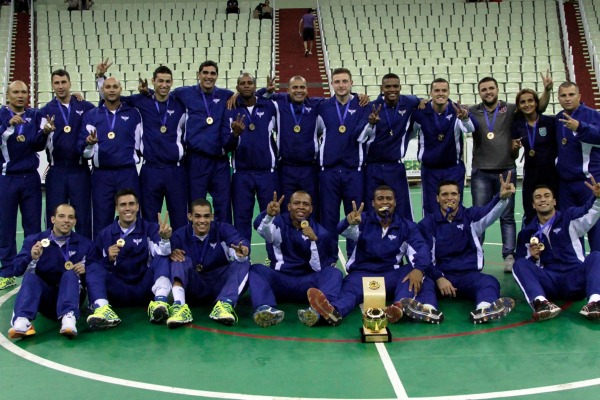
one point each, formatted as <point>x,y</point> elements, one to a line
<point>545,315</point>
<point>265,318</point>
<point>69,333</point>
<point>99,323</point>
<point>159,315</point>
<point>415,310</point>
<point>499,308</point>
<point>13,334</point>
<point>308,317</point>
<point>320,304</point>
<point>394,312</point>
<point>591,315</point>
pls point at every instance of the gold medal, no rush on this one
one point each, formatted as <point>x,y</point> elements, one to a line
<point>69,265</point>
<point>111,135</point>
<point>199,267</point>
<point>534,240</point>
<point>304,224</point>
<point>252,127</point>
<point>121,242</point>
<point>342,128</point>
<point>297,128</point>
<point>45,242</point>
<point>541,246</point>
<point>67,129</point>
<point>440,137</point>
<point>20,138</point>
<point>163,129</point>
<point>209,120</point>
<point>564,141</point>
<point>531,153</point>
<point>490,135</point>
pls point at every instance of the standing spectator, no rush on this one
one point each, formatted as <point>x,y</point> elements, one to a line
<point>232,7</point>
<point>306,29</point>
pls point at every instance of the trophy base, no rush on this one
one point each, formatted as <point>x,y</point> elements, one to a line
<point>368,336</point>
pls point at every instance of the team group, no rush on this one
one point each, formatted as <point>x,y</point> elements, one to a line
<point>317,154</point>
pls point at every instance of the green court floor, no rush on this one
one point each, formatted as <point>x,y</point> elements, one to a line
<point>514,357</point>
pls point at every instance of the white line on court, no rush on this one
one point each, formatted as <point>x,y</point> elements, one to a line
<point>391,372</point>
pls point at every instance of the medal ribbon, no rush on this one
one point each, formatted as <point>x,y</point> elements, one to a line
<point>337,106</point>
<point>67,117</point>
<point>245,109</point>
<point>203,244</point>
<point>436,119</point>
<point>206,103</point>
<point>127,231</point>
<point>531,135</point>
<point>395,115</point>
<point>64,250</point>
<point>19,127</point>
<point>487,120</point>
<point>163,118</point>
<point>112,125</point>
<point>299,120</point>
<point>540,232</point>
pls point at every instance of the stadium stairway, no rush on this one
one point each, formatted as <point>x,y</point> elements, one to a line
<point>289,54</point>
<point>21,49</point>
<point>584,74</point>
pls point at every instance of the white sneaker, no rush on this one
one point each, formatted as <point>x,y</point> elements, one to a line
<point>508,263</point>
<point>20,328</point>
<point>68,327</point>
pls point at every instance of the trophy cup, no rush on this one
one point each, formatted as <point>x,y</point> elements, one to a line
<point>374,329</point>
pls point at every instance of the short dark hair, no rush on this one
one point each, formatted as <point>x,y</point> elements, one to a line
<point>301,192</point>
<point>542,186</point>
<point>245,74</point>
<point>486,79</point>
<point>338,71</point>
<point>439,80</point>
<point>200,203</point>
<point>447,182</point>
<point>568,84</point>
<point>209,63</point>
<point>64,204</point>
<point>383,187</point>
<point>389,76</point>
<point>163,69</point>
<point>60,72</point>
<point>125,192</point>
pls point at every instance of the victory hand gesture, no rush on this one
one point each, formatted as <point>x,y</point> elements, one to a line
<point>274,207</point>
<point>507,189</point>
<point>165,229</point>
<point>354,218</point>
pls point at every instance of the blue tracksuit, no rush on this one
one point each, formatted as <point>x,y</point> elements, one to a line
<point>163,174</point>
<point>207,162</point>
<point>68,179</point>
<point>254,161</point>
<point>577,159</point>
<point>440,150</point>
<point>456,251</point>
<point>300,264</point>
<point>129,279</point>
<point>20,185</point>
<point>211,270</point>
<point>47,286</point>
<point>114,160</point>
<point>386,149</point>
<point>563,271</point>
<point>379,253</point>
<point>341,157</point>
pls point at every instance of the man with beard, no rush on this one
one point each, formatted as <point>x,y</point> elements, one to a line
<point>551,261</point>
<point>452,233</point>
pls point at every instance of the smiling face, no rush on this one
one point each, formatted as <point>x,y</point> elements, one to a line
<point>300,206</point>
<point>127,208</point>
<point>448,197</point>
<point>200,217</point>
<point>391,90</point>
<point>111,90</point>
<point>527,104</point>
<point>384,202</point>
<point>544,202</point>
<point>342,84</point>
<point>297,89</point>
<point>162,84</point>
<point>440,91</point>
<point>63,220</point>
<point>207,78</point>
<point>488,91</point>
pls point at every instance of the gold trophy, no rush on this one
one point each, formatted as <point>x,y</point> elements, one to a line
<point>374,329</point>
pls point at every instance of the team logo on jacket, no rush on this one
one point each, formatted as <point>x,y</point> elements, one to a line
<point>402,112</point>
<point>392,237</point>
<point>72,253</point>
<point>216,100</point>
<point>307,109</point>
<point>351,112</point>
<point>543,131</point>
<point>170,112</point>
<point>304,237</point>
<point>449,117</point>
<point>260,114</point>
<point>124,118</point>
<point>557,230</point>
<point>28,119</point>
<point>137,241</point>
<point>79,112</point>
<point>213,245</point>
<point>460,226</point>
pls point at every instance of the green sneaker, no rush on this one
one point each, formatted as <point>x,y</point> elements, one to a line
<point>223,312</point>
<point>158,311</point>
<point>7,282</point>
<point>103,318</point>
<point>180,315</point>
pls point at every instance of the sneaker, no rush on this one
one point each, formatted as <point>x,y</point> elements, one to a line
<point>308,316</point>
<point>419,312</point>
<point>508,263</point>
<point>180,315</point>
<point>7,282</point>
<point>496,310</point>
<point>306,53</point>
<point>545,310</point>
<point>591,311</point>
<point>320,304</point>
<point>158,311</point>
<point>103,318</point>
<point>223,312</point>
<point>22,327</point>
<point>68,327</point>
<point>266,316</point>
<point>394,312</point>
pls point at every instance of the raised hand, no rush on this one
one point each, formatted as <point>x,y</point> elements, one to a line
<point>16,120</point>
<point>309,233</point>
<point>569,123</point>
<point>37,250</point>
<point>238,126</point>
<point>164,230</point>
<point>355,216</point>
<point>49,125</point>
<point>363,99</point>
<point>274,206</point>
<point>240,250</point>
<point>594,187</point>
<point>78,96</point>
<point>374,116</point>
<point>102,67</point>
<point>461,113</point>
<point>547,80</point>
<point>92,138</point>
<point>507,188</point>
<point>143,86</point>
<point>271,84</point>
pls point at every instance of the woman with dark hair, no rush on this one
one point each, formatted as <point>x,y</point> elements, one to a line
<point>536,133</point>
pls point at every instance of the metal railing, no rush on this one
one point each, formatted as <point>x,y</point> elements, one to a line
<point>567,49</point>
<point>324,47</point>
<point>8,52</point>
<point>33,83</point>
<point>592,51</point>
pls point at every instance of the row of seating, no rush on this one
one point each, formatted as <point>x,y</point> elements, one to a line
<point>58,5</point>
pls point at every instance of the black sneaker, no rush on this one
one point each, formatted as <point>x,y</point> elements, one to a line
<point>320,304</point>
<point>419,312</point>
<point>591,311</point>
<point>496,310</point>
<point>545,310</point>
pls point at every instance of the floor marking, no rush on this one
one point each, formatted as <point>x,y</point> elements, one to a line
<point>391,372</point>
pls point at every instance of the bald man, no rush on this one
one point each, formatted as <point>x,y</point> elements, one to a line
<point>20,186</point>
<point>111,135</point>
